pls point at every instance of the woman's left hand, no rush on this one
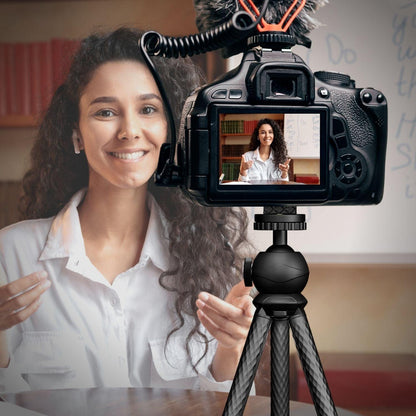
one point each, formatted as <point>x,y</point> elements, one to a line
<point>284,167</point>
<point>228,321</point>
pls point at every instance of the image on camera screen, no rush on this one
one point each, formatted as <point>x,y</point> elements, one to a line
<point>270,149</point>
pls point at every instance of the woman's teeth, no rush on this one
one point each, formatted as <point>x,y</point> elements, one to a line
<point>128,156</point>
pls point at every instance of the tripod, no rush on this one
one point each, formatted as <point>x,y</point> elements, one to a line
<point>279,274</point>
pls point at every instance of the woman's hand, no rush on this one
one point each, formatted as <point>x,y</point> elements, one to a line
<point>245,166</point>
<point>284,168</point>
<point>19,300</point>
<point>228,321</point>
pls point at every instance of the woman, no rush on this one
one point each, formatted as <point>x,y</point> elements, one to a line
<point>266,159</point>
<point>108,280</point>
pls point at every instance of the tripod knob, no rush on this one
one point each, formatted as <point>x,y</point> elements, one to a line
<point>248,281</point>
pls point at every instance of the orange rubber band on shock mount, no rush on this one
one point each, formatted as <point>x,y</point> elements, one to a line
<point>284,23</point>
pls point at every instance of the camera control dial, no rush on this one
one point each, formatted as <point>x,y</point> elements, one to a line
<point>335,78</point>
<point>348,168</point>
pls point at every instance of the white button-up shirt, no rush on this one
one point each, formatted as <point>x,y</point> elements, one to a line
<point>88,333</point>
<point>261,170</point>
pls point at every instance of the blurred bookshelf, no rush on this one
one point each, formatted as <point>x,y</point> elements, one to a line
<point>29,73</point>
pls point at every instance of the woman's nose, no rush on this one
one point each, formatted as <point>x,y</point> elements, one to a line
<point>130,128</point>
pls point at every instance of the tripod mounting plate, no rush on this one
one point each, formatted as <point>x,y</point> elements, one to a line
<point>279,222</point>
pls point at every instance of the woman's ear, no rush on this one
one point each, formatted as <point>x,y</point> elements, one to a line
<point>77,142</point>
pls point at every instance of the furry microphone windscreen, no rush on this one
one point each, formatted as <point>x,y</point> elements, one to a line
<point>212,13</point>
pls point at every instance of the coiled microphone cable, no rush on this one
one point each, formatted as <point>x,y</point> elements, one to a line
<point>240,26</point>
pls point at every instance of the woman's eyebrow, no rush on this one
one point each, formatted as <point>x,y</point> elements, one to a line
<point>103,99</point>
<point>150,96</point>
<point>141,97</point>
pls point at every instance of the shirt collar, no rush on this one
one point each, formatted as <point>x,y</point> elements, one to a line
<point>65,236</point>
<point>257,155</point>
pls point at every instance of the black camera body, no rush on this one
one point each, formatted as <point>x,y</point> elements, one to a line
<point>336,133</point>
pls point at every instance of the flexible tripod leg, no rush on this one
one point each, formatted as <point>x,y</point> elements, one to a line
<point>247,367</point>
<point>312,367</point>
<point>279,392</point>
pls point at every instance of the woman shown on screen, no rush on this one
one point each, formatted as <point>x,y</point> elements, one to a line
<point>267,158</point>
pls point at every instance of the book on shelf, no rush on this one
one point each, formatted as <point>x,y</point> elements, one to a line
<point>46,74</point>
<point>245,127</point>
<point>234,150</point>
<point>35,76</point>
<point>230,171</point>
<point>3,99</point>
<point>10,79</point>
<point>22,74</point>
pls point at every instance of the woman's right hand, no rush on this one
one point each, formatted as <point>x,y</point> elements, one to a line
<point>245,166</point>
<point>18,301</point>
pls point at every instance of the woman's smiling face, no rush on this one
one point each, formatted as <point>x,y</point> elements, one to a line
<point>266,135</point>
<point>122,124</point>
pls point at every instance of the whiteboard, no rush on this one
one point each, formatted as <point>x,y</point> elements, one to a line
<point>373,41</point>
<point>302,135</point>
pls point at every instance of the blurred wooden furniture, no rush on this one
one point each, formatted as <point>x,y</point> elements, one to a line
<point>367,384</point>
<point>366,380</point>
<point>385,412</point>
<point>146,402</point>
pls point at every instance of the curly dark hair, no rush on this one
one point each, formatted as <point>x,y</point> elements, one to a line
<point>278,145</point>
<point>205,242</point>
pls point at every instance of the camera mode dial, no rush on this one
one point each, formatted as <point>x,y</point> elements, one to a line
<point>336,79</point>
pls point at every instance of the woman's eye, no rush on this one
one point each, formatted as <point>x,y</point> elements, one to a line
<point>105,113</point>
<point>148,110</point>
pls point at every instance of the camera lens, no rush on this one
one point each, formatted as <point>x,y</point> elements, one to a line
<point>282,86</point>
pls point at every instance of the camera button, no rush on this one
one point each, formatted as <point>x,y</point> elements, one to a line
<point>338,126</point>
<point>323,92</point>
<point>348,180</point>
<point>355,193</point>
<point>347,156</point>
<point>341,142</point>
<point>348,168</point>
<point>235,94</point>
<point>367,97</point>
<point>380,98</point>
<point>358,168</point>
<point>338,168</point>
<point>219,94</point>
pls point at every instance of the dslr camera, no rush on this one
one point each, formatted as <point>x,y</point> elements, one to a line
<point>335,132</point>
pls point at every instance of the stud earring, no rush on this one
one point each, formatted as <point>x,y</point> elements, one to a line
<point>75,141</point>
